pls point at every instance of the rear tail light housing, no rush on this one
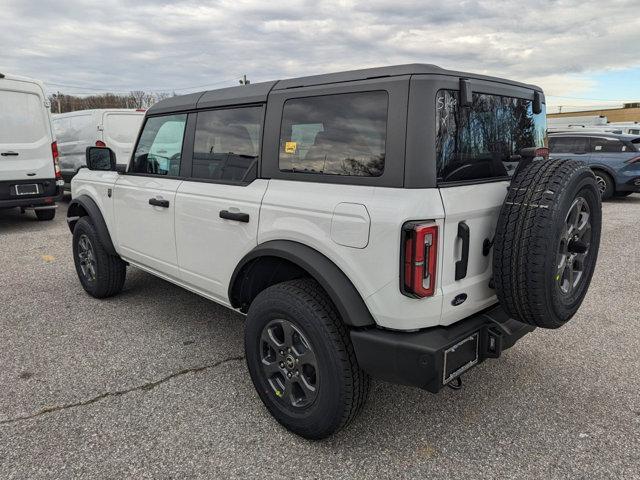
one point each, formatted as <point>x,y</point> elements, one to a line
<point>56,165</point>
<point>100,143</point>
<point>419,259</point>
<point>542,152</point>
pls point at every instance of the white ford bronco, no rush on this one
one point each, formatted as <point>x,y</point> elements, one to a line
<point>400,222</point>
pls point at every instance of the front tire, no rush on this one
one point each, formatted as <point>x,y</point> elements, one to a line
<point>301,360</point>
<point>101,274</point>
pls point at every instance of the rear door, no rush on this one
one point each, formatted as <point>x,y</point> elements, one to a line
<point>218,204</point>
<point>25,133</point>
<point>474,158</point>
<point>119,132</point>
<point>144,197</point>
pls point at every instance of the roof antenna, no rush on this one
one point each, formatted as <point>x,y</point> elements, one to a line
<point>244,81</point>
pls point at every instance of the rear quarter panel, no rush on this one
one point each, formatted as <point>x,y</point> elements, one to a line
<point>305,212</point>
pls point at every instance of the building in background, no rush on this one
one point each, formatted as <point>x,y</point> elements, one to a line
<point>630,112</point>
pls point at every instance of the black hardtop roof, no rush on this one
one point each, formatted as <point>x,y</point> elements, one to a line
<point>258,92</point>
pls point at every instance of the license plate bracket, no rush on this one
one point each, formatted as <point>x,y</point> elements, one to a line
<point>460,357</point>
<point>27,189</point>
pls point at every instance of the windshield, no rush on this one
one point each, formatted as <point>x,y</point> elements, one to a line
<point>478,143</point>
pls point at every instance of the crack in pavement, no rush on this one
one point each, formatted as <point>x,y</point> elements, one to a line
<point>118,393</point>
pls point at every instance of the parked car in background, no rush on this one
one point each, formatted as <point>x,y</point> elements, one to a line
<point>29,173</point>
<point>75,131</point>
<point>614,159</point>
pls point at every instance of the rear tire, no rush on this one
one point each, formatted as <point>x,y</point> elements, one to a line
<point>101,274</point>
<point>547,241</point>
<point>301,359</point>
<point>605,183</point>
<point>45,214</point>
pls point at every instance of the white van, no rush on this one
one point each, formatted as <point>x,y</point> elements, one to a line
<point>30,176</point>
<point>113,128</point>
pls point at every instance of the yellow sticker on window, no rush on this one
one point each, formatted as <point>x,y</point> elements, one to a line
<point>290,147</point>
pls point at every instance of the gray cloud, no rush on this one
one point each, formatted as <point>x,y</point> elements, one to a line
<point>156,45</point>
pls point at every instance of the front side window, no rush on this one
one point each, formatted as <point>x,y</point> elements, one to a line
<point>227,144</point>
<point>160,146</point>
<point>478,142</point>
<point>342,134</point>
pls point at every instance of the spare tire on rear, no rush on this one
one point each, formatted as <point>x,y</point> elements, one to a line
<point>546,242</point>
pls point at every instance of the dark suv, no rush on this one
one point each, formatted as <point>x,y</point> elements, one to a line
<point>614,159</point>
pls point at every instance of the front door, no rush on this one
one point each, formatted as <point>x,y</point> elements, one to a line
<point>144,197</point>
<point>218,206</point>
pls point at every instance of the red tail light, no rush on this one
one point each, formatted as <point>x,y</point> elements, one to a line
<point>100,143</point>
<point>419,255</point>
<point>56,165</point>
<point>633,160</point>
<point>542,152</point>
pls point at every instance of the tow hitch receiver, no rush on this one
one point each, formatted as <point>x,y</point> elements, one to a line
<point>435,357</point>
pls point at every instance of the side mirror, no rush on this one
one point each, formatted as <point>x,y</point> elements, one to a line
<point>101,158</point>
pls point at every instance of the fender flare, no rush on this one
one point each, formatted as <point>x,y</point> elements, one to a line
<point>84,205</point>
<point>331,278</point>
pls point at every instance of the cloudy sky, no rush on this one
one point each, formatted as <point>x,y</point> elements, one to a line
<point>581,52</point>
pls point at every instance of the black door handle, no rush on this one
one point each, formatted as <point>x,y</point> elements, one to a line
<point>237,216</point>
<point>9,154</point>
<point>156,202</point>
<point>461,265</point>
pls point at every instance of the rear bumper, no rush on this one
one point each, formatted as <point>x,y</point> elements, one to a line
<point>418,358</point>
<point>51,193</point>
<point>631,185</point>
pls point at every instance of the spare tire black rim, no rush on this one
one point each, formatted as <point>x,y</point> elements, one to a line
<point>574,247</point>
<point>87,258</point>
<point>289,363</point>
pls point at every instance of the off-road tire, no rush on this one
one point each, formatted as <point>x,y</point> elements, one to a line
<point>605,184</point>
<point>342,387</point>
<point>531,229</point>
<point>110,270</point>
<point>45,214</point>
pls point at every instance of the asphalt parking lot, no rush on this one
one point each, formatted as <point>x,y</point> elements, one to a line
<point>152,384</point>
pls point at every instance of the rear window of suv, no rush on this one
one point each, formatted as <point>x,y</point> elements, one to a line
<point>342,134</point>
<point>22,117</point>
<point>477,143</point>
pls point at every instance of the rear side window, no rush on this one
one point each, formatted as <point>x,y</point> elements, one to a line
<point>343,134</point>
<point>477,143</point>
<point>569,145</point>
<point>607,145</point>
<point>22,118</point>
<point>227,144</point>
<point>160,146</point>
